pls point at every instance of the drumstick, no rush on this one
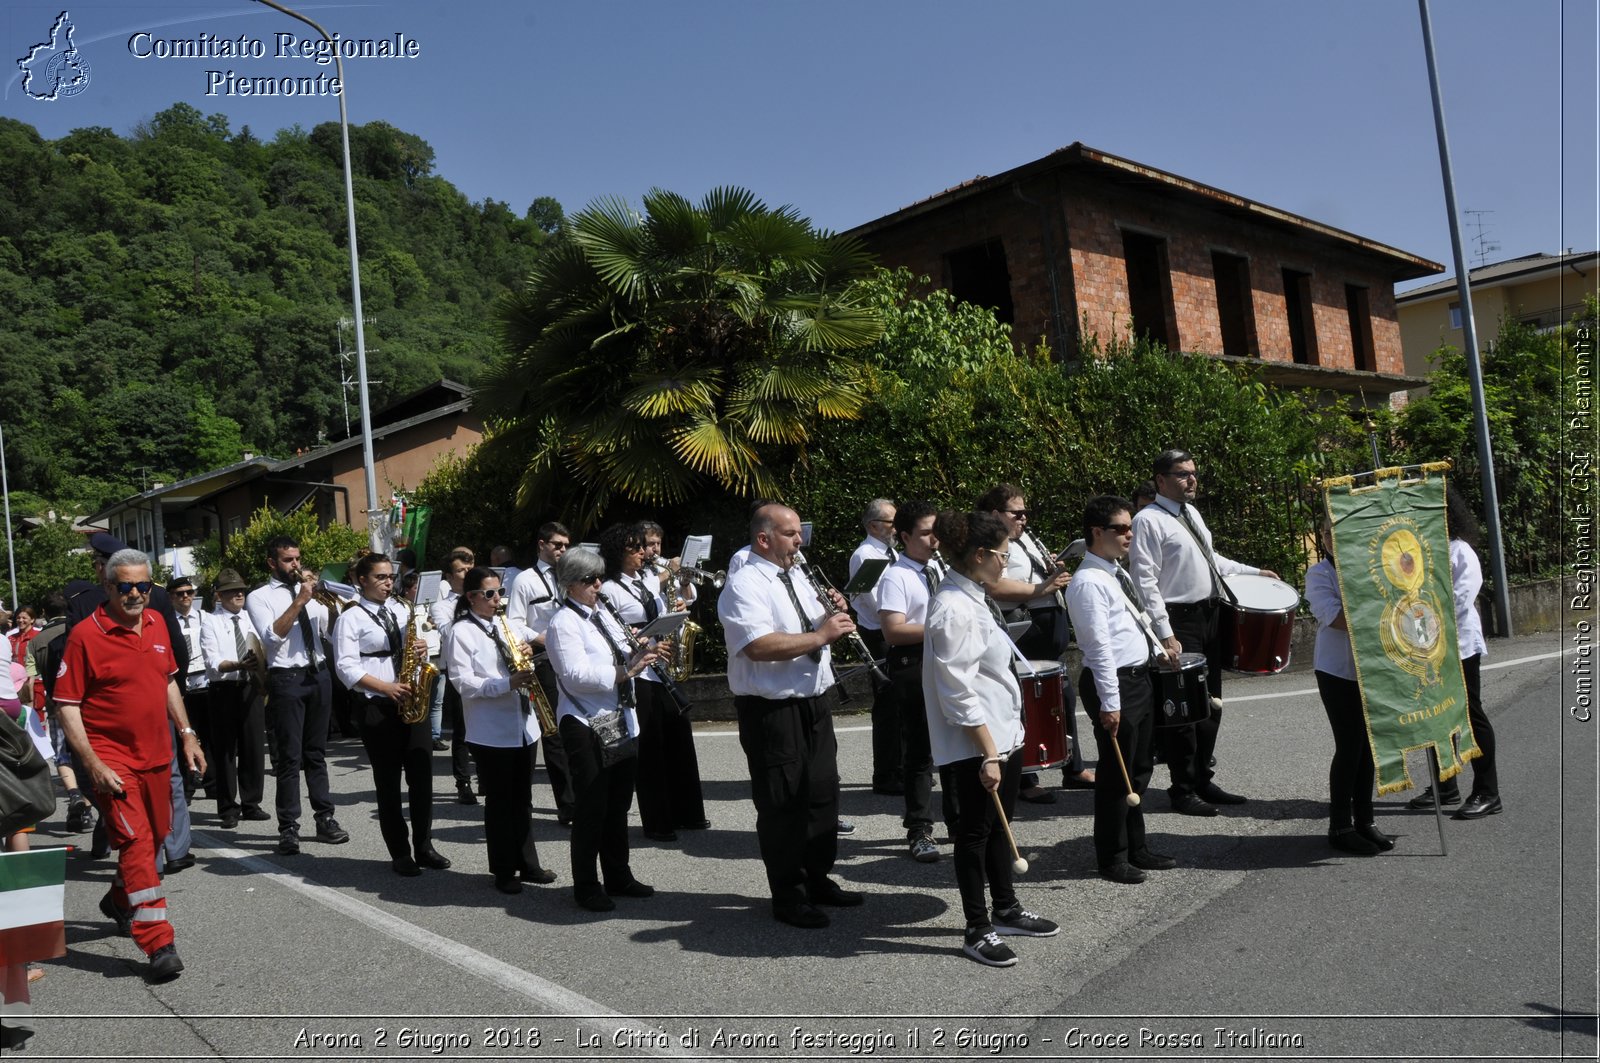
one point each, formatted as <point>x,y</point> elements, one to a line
<point>1133,798</point>
<point>1018,864</point>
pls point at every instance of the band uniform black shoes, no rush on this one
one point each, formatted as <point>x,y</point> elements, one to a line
<point>1218,796</point>
<point>1126,874</point>
<point>985,946</point>
<point>1478,806</point>
<point>1449,794</point>
<point>1192,805</point>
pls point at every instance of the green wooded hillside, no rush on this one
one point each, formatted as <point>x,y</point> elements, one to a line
<point>171,298</point>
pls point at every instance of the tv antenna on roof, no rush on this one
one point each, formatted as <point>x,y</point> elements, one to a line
<point>1482,246</point>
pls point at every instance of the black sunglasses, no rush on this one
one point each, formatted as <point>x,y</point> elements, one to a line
<point>129,586</point>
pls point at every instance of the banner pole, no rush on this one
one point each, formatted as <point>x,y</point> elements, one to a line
<point>1438,816</point>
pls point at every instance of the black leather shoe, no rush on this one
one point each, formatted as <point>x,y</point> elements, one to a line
<point>289,843</point>
<point>257,814</point>
<point>405,867</point>
<point>1192,805</point>
<point>564,818</point>
<point>164,965</point>
<point>832,894</point>
<point>432,858</point>
<point>1148,861</point>
<point>703,824</point>
<point>594,898</point>
<point>328,830</point>
<point>1478,806</point>
<point>509,884</point>
<point>181,863</point>
<point>661,835</point>
<point>229,820</point>
<point>1218,796</point>
<point>1371,832</point>
<point>1448,795</point>
<point>634,888</point>
<point>465,796</point>
<point>1038,796</point>
<point>1126,874</point>
<point>542,876</point>
<point>1346,840</point>
<point>124,920</point>
<point>802,915</point>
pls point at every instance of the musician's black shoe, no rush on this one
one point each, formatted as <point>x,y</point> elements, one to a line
<point>593,898</point>
<point>1038,795</point>
<point>844,826</point>
<point>1084,780</point>
<point>1218,796</point>
<point>985,946</point>
<point>1371,832</point>
<point>661,835</point>
<point>440,744</point>
<point>328,830</point>
<point>1124,873</point>
<point>923,850</point>
<point>800,914</point>
<point>508,884</point>
<point>1346,840</point>
<point>256,814</point>
<point>228,820</point>
<point>826,891</point>
<point>542,876</point>
<point>701,824</point>
<point>289,843</point>
<point>464,795</point>
<point>180,863</point>
<point>1478,806</point>
<point>432,858</point>
<point>1024,923</point>
<point>1148,861</point>
<point>564,817</point>
<point>405,867</point>
<point>1449,794</point>
<point>633,888</point>
<point>1192,805</point>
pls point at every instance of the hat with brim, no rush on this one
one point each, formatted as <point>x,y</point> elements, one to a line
<point>106,543</point>
<point>228,580</point>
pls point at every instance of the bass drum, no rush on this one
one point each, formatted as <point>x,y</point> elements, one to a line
<point>1044,721</point>
<point>1262,623</point>
<point>1180,693</point>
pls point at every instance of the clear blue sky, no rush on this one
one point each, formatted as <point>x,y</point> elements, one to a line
<point>849,109</point>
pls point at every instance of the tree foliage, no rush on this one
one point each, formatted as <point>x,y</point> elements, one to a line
<point>247,550</point>
<point>173,297</point>
<point>655,356</point>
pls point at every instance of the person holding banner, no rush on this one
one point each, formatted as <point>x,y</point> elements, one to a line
<point>1179,576</point>
<point>1351,773</point>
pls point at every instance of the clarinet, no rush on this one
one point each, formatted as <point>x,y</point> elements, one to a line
<point>680,699</point>
<point>821,587</point>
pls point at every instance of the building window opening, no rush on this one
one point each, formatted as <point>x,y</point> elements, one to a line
<point>978,275</point>
<point>1302,318</point>
<point>1361,346</point>
<point>1234,308</point>
<point>1149,288</point>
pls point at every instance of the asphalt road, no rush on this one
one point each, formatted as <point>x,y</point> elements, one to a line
<point>1264,943</point>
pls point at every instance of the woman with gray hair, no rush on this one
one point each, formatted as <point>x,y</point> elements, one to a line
<point>595,670</point>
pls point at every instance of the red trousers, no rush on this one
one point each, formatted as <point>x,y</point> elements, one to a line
<point>137,821</point>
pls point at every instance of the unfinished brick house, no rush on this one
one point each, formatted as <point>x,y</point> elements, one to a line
<point>1082,241</point>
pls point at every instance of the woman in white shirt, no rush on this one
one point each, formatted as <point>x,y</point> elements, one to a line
<point>974,709</point>
<point>1350,774</point>
<point>595,673</point>
<point>502,730</point>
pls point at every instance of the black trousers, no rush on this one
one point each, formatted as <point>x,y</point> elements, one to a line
<point>1351,772</point>
<point>1485,777</point>
<point>395,749</point>
<point>460,765</point>
<point>507,777</point>
<point>604,795</point>
<point>793,758</point>
<point>298,701</point>
<point>886,714</point>
<point>668,782</point>
<point>1118,829</point>
<point>197,705</point>
<point>982,851</point>
<point>555,753</point>
<point>1188,750</point>
<point>916,750</point>
<point>237,734</point>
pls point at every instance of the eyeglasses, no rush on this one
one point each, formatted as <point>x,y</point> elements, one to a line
<point>495,593</point>
<point>381,577</point>
<point>188,593</point>
<point>592,579</point>
<point>1020,514</point>
<point>1190,475</point>
<point>1004,558</point>
<point>558,546</point>
<point>1118,529</point>
<point>129,586</point>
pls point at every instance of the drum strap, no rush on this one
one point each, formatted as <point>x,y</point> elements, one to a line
<point>1219,586</point>
<point>1130,596</point>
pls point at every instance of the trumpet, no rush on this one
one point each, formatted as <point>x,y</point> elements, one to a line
<point>704,577</point>
<point>824,591</point>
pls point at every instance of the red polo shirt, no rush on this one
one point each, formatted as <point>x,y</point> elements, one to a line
<point>118,679</point>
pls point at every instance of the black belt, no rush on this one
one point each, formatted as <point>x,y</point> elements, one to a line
<point>1045,609</point>
<point>1192,607</point>
<point>904,656</point>
<point>1133,670</point>
<point>297,669</point>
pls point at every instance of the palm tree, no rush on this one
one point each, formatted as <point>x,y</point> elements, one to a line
<point>654,357</point>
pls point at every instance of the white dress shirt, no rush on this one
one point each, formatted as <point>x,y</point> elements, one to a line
<point>904,589</point>
<point>585,665</point>
<point>443,614</point>
<point>754,603</point>
<point>265,605</point>
<point>624,597</point>
<point>534,597</point>
<point>867,605</point>
<point>1027,564</point>
<point>1168,566</point>
<point>1466,580</point>
<point>191,627</point>
<point>966,674</point>
<point>740,558</point>
<point>218,645</point>
<point>1108,634</point>
<point>1332,652</point>
<point>361,643</point>
<point>492,709</point>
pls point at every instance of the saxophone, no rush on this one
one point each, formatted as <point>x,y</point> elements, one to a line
<point>520,661</point>
<point>416,672</point>
<point>680,662</point>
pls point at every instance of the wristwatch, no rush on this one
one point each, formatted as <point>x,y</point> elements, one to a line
<point>187,731</point>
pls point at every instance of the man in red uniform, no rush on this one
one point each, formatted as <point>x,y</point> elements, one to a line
<point>116,690</point>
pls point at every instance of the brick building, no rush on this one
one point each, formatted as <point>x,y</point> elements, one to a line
<point>1081,241</point>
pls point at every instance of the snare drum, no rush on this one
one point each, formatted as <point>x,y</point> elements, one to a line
<point>1044,722</point>
<point>1181,695</point>
<point>1262,623</point>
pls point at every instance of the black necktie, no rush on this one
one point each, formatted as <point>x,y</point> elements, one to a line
<point>505,658</point>
<point>392,630</point>
<point>238,639</point>
<point>625,688</point>
<point>931,578</point>
<point>308,636</point>
<point>805,621</point>
<point>646,599</point>
<point>1205,549</point>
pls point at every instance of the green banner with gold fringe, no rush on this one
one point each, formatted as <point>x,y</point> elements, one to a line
<point>1391,546</point>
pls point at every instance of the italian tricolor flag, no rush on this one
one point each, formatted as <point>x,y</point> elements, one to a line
<point>32,897</point>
